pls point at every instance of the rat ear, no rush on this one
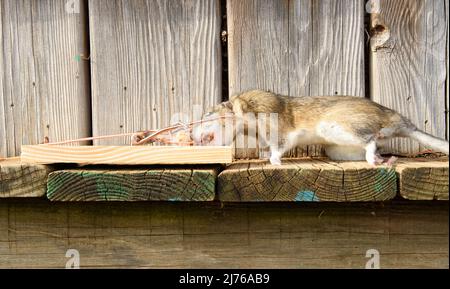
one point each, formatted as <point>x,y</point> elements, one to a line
<point>228,104</point>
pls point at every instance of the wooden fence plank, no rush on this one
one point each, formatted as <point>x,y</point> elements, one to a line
<point>133,184</point>
<point>408,63</point>
<point>296,48</point>
<point>22,180</point>
<point>151,60</point>
<point>44,78</point>
<point>306,180</point>
<point>205,235</point>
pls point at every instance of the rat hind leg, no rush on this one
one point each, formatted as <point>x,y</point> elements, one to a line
<point>351,142</point>
<point>347,143</point>
<point>374,158</point>
<point>343,142</point>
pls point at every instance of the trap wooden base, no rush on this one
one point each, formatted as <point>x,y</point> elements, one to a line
<point>127,155</point>
<point>37,234</point>
<point>18,179</point>
<point>422,179</point>
<point>118,184</point>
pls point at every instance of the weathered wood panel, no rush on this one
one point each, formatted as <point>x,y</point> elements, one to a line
<point>306,180</point>
<point>422,179</point>
<point>179,235</point>
<point>296,48</point>
<point>409,48</point>
<point>152,60</point>
<point>44,79</point>
<point>133,184</point>
<point>18,179</point>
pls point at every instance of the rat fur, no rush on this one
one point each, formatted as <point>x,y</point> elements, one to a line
<point>349,128</point>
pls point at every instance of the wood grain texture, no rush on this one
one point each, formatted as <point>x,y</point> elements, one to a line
<point>152,60</point>
<point>422,179</point>
<point>22,180</point>
<point>204,235</point>
<point>44,81</point>
<point>408,64</point>
<point>296,48</point>
<point>127,155</point>
<point>149,184</point>
<point>306,180</point>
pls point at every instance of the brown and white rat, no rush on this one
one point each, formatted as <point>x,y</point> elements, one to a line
<point>350,128</point>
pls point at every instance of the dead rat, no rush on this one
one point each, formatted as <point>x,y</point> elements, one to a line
<point>350,128</point>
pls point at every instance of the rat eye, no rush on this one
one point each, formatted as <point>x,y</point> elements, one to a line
<point>207,138</point>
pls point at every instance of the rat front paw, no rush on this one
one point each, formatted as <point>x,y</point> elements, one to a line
<point>374,160</point>
<point>276,161</point>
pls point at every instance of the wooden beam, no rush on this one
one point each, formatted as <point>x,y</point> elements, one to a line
<point>127,155</point>
<point>423,179</point>
<point>19,179</point>
<point>37,234</point>
<point>306,180</point>
<point>154,184</point>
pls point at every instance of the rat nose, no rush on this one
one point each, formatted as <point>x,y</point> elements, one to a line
<point>207,137</point>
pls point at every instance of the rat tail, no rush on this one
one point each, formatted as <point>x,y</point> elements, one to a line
<point>429,141</point>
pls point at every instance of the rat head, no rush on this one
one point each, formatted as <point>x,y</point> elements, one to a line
<point>211,130</point>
